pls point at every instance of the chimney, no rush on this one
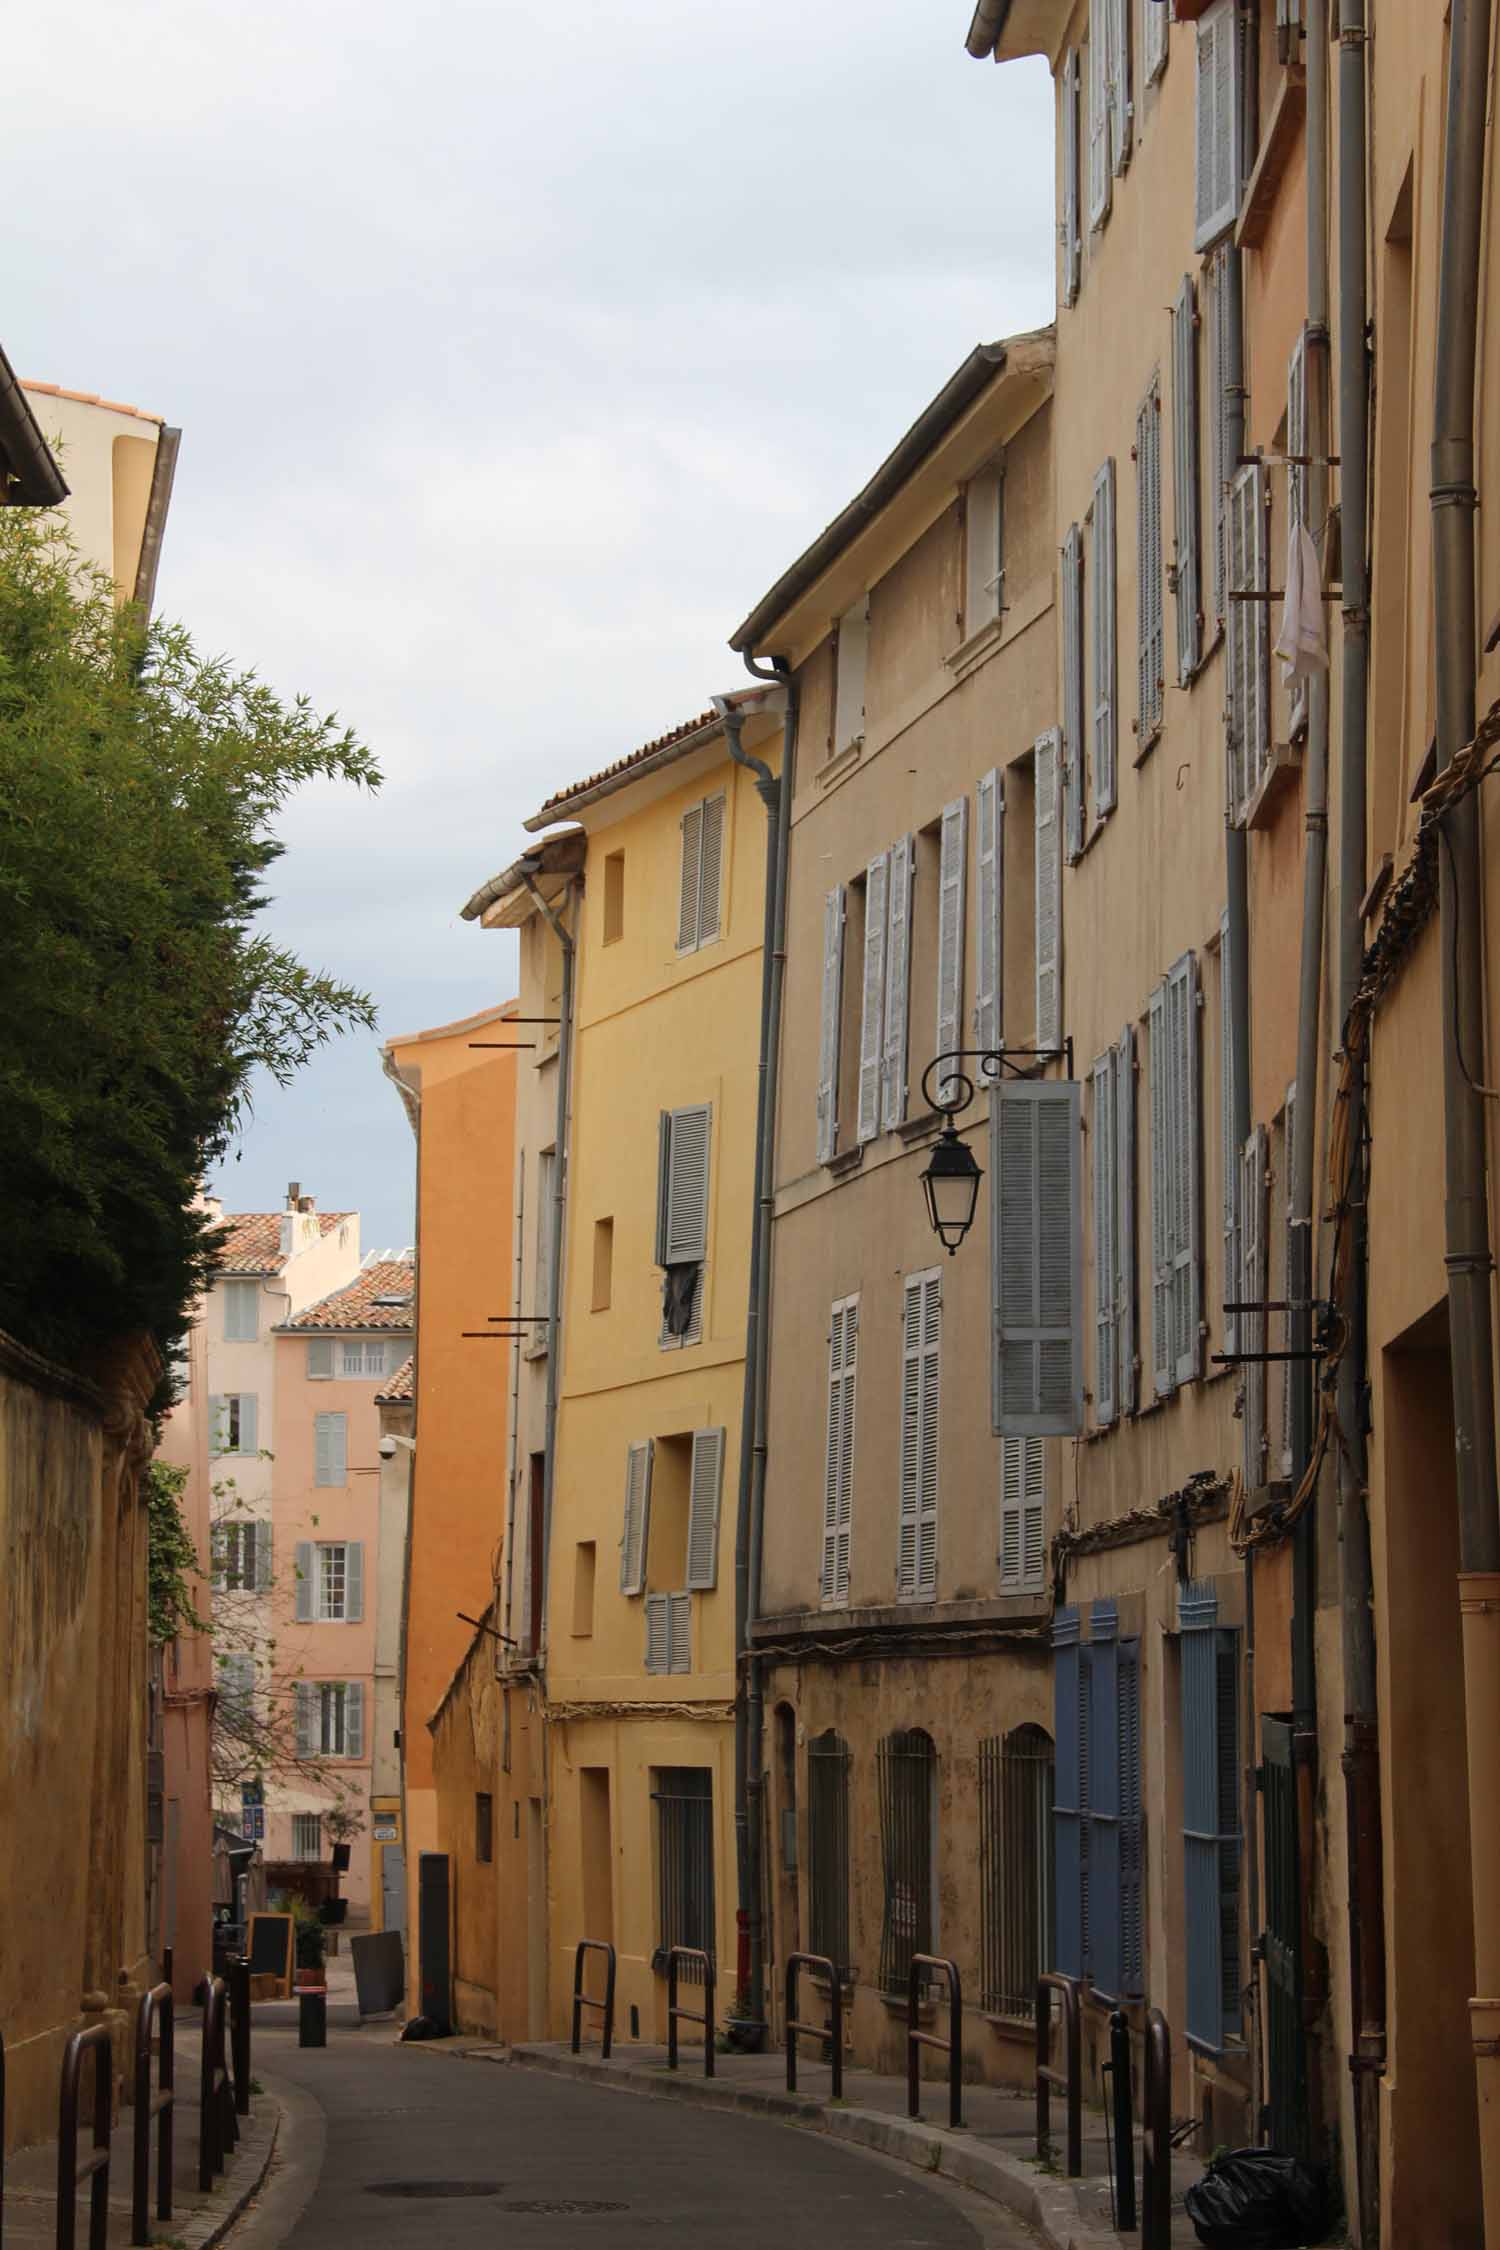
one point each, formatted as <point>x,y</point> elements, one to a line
<point>293,1194</point>
<point>307,1203</point>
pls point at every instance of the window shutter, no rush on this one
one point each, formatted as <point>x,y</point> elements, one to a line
<point>838,1470</point>
<point>872,1018</point>
<point>306,1586</point>
<point>218,1433</point>
<point>220,1543</point>
<point>263,1554</point>
<point>1072,240</point>
<point>354,1581</point>
<point>304,1719</point>
<point>1296,485</point>
<point>1121,107</point>
<point>1106,1170</point>
<point>689,889</point>
<point>241,1310</point>
<point>1099,109</point>
<point>984,549</point>
<point>635,1534</point>
<point>1106,666</point>
<point>679,1632</point>
<point>989,955</point>
<point>685,1214</point>
<point>1218,93</point>
<point>1186,1121</point>
<point>1067,1796</point>
<point>1229,1148</point>
<point>1150,627</point>
<point>851,650</point>
<point>1072,742</point>
<point>916,1564</point>
<point>1198,1616</point>
<point>1132,1857</point>
<point>658,1633</point>
<point>897,983</point>
<point>830,1027</point>
<point>237,1687</point>
<point>1048,894</point>
<point>1104,1802</point>
<point>1163,1357</point>
<point>1125,1310</point>
<point>1248,629</point>
<point>248,1419</point>
<point>711,870</point>
<point>1185,467</point>
<point>354,1719</point>
<point>1288,1268</point>
<point>330,1449</point>
<point>319,1359</point>
<point>1253,1290</point>
<point>1022,1514</point>
<point>704,1487</point>
<point>952,883</point>
<point>1158,32</point>
<point>1036,1258</point>
<point>546,1212</point>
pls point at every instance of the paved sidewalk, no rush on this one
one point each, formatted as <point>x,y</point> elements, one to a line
<point>993,2154</point>
<point>198,2218</point>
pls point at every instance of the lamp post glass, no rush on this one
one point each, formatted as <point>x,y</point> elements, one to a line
<point>951,1187</point>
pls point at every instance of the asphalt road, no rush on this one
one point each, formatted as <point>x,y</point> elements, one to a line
<point>374,2133</point>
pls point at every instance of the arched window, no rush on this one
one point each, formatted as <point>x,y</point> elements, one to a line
<point>828,1848</point>
<point>907,1763</point>
<point>1015,1867</point>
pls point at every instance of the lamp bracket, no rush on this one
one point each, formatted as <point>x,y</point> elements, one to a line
<point>989,1065</point>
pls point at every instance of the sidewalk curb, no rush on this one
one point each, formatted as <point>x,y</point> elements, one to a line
<point>241,2181</point>
<point>1044,2203</point>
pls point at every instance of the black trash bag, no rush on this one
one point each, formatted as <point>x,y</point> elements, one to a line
<point>1256,2199</point>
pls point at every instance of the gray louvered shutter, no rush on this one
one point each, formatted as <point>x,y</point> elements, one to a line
<point>1104,1801</point>
<point>1132,1859</point>
<point>1163,1358</point>
<point>1217,196</point>
<point>354,1719</point>
<point>1072,238</point>
<point>1106,663</point>
<point>329,1456</point>
<point>1073,724</point>
<point>1150,628</point>
<point>658,1633</point>
<point>304,1719</point>
<point>218,1433</point>
<point>1185,456</point>
<point>1187,1162</point>
<point>1288,1268</point>
<point>1099,119</point>
<point>838,1469</point>
<point>1036,1258</point>
<point>263,1557</point>
<point>684,1228</point>
<point>249,1417</point>
<point>704,1484</point>
<point>1121,105</point>
<point>872,1013</point>
<point>636,1530</point>
<point>1229,1147</point>
<point>691,877</point>
<point>1022,1514</point>
<point>354,1581</point>
<point>319,1359</point>
<point>989,952</point>
<point>831,1023</point>
<point>952,883</point>
<point>1296,486</point>
<point>897,984</point>
<point>1105,1155</point>
<point>1202,1812</point>
<point>1248,628</point>
<point>1048,894</point>
<point>1125,1307</point>
<point>1253,1290</point>
<point>306,1588</point>
<point>711,870</point>
<point>916,1565</point>
<point>1157,35</point>
<point>679,1632</point>
<point>1218,284</point>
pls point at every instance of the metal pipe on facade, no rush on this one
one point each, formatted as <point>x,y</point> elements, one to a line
<point>1468,1256</point>
<point>564,938</point>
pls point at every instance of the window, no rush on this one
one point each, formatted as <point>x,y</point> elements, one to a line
<point>546,1214</point>
<point>241,1312</point>
<point>851,645</point>
<point>702,873</point>
<point>922,1318</point>
<point>684,1801</point>
<point>320,1359</point>
<point>828,1849</point>
<point>1113,1155</point>
<point>838,1469</point>
<point>1098,1858</point>
<point>236,1684</point>
<point>1023,1511</point>
<point>989,925</point>
<point>1187,556</point>
<point>330,1582</point>
<point>636,1530</point>
<point>232,1423</point>
<point>1103,654</point>
<point>253,1811</point>
<point>330,1718</point>
<point>583,1589</point>
<point>1071,232</point>
<point>1047,877</point>
<point>906,1765</point>
<point>682,1221</point>
<point>1176,1124</point>
<point>614,897</point>
<point>364,1355</point>
<point>1248,736</point>
<point>1015,1869</point>
<point>1150,595</point>
<point>1226,140</point>
<point>1072,746</point>
<point>1254,1162</point>
<point>669,1632</point>
<point>330,1449</point>
<point>1037,1258</point>
<point>984,550</point>
<point>1210,1818</point>
<point>307,1835</point>
<point>241,1557</point>
<point>604,1264</point>
<point>484,1827</point>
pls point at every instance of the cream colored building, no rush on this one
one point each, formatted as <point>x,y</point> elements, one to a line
<point>119,463</point>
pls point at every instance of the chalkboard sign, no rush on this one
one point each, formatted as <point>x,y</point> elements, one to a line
<point>270,1949</point>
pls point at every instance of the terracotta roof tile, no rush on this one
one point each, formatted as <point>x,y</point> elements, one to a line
<point>623,765</point>
<point>89,398</point>
<point>252,1239</point>
<point>359,1304</point>
<point>401,1388</point>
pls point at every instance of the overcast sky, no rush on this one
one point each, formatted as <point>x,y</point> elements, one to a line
<point>517,348</point>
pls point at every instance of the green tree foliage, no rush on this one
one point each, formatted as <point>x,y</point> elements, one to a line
<point>171,1564</point>
<point>138,784</point>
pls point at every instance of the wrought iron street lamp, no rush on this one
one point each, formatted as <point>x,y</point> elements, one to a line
<point>950,1184</point>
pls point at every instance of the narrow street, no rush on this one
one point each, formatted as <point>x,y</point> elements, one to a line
<point>505,2152</point>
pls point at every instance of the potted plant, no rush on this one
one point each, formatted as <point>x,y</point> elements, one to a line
<point>743,2034</point>
<point>311,1946</point>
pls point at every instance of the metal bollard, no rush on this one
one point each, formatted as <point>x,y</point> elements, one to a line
<point>312,2019</point>
<point>1122,2124</point>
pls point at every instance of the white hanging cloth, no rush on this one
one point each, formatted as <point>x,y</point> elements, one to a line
<point>1302,642</point>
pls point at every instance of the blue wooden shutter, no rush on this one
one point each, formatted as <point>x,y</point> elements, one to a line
<point>1067,1800</point>
<point>1132,1855</point>
<point>1198,1616</point>
<point>1104,1802</point>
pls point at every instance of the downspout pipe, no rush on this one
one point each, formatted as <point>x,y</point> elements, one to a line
<point>1361,1753</point>
<point>1461,906</point>
<point>749,1709</point>
<point>564,938</point>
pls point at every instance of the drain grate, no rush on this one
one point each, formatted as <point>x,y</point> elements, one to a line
<point>435,2188</point>
<point>570,2210</point>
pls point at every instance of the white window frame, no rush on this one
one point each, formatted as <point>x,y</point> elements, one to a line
<point>331,1584</point>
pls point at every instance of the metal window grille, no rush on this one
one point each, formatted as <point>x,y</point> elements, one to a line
<point>907,1766</point>
<point>307,1835</point>
<point>828,1848</point>
<point>331,1574</point>
<point>1015,1868</point>
<point>684,1800</point>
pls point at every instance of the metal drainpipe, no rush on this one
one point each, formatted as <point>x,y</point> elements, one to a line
<point>515,1401</point>
<point>1468,1257</point>
<point>1361,1754</point>
<point>559,1196</point>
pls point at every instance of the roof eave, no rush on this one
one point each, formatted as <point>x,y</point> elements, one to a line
<point>29,474</point>
<point>1007,29</point>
